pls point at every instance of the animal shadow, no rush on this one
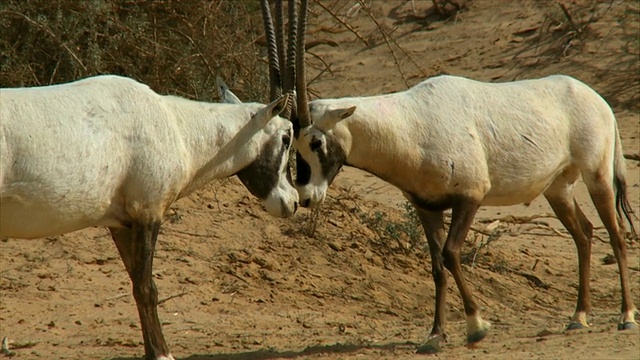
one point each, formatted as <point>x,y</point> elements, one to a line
<point>267,354</point>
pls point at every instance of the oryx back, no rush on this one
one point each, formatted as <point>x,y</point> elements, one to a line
<point>63,173</point>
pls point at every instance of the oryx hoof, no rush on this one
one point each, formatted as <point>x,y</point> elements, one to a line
<point>628,325</point>
<point>476,336</point>
<point>431,346</point>
<point>577,326</point>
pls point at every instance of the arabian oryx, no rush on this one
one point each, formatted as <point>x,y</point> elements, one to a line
<point>454,143</point>
<point>108,151</point>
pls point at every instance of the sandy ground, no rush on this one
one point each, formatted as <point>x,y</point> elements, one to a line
<point>238,284</point>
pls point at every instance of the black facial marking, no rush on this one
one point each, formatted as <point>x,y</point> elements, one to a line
<point>332,160</point>
<point>261,176</point>
<point>440,203</point>
<point>315,144</point>
<point>303,171</point>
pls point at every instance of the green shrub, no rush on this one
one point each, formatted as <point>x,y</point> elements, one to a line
<point>407,232</point>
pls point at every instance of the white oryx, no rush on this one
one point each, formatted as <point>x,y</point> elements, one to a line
<point>108,151</point>
<point>455,143</point>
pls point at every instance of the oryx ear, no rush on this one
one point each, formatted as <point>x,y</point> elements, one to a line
<point>335,116</point>
<point>272,110</point>
<point>342,113</point>
<point>226,95</point>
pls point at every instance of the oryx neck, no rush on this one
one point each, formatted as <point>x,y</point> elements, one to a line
<point>220,138</point>
<point>374,130</point>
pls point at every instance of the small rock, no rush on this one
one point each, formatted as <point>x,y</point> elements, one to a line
<point>368,255</point>
<point>544,332</point>
<point>609,259</point>
<point>335,245</point>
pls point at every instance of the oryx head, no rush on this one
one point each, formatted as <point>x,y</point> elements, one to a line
<point>322,149</point>
<point>268,176</point>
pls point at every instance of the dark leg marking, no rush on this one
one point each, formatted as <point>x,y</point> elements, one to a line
<point>136,247</point>
<point>604,199</point>
<point>433,225</point>
<point>573,219</point>
<point>462,216</point>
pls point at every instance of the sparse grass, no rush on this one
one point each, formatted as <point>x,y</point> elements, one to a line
<point>406,233</point>
<point>501,267</point>
<point>480,241</point>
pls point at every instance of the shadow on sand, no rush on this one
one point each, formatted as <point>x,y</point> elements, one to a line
<point>290,354</point>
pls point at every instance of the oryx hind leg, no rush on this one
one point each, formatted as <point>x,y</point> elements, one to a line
<point>560,197</point>
<point>603,193</point>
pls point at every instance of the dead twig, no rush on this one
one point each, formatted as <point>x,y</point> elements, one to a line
<point>388,38</point>
<point>194,234</point>
<point>313,43</point>
<point>597,237</point>
<point>556,231</point>
<point>518,219</point>
<point>327,66</point>
<point>495,235</point>
<point>172,297</point>
<point>635,157</point>
<point>567,14</point>
<point>347,26</point>
<point>116,297</point>
<point>532,279</point>
<point>232,273</point>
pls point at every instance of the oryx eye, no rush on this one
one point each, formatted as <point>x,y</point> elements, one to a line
<point>286,140</point>
<point>315,145</point>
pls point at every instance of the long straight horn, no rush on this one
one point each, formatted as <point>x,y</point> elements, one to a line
<point>282,56</point>
<point>275,81</point>
<point>289,80</point>
<point>301,79</point>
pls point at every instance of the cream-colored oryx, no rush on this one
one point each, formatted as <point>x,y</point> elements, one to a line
<point>108,151</point>
<point>454,143</point>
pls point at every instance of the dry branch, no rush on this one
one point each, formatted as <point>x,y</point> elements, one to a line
<point>335,16</point>
<point>518,219</point>
<point>569,17</point>
<point>532,279</point>
<point>313,43</point>
<point>48,32</point>
<point>388,38</point>
<point>117,297</point>
<point>172,297</point>
<point>635,157</point>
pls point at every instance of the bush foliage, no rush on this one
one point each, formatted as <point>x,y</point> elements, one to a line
<point>176,47</point>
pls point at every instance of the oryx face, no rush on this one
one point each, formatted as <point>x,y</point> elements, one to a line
<point>321,154</point>
<point>269,177</point>
<point>318,161</point>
